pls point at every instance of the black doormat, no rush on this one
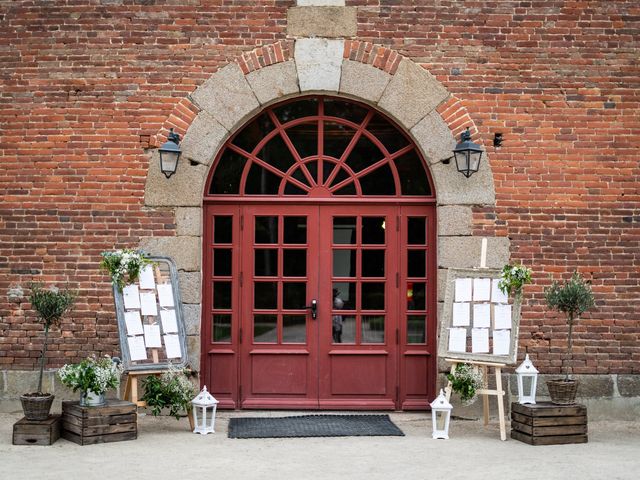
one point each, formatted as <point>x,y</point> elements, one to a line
<point>314,426</point>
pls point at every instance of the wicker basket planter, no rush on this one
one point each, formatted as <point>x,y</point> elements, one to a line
<point>563,392</point>
<point>36,407</point>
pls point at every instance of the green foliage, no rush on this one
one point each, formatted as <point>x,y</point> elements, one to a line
<point>465,380</point>
<point>573,297</point>
<point>50,304</point>
<point>513,278</point>
<point>173,390</point>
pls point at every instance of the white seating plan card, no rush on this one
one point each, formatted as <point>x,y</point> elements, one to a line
<point>148,303</point>
<point>131,297</point>
<point>169,324</point>
<point>461,314</point>
<point>458,339</point>
<point>134,322</point>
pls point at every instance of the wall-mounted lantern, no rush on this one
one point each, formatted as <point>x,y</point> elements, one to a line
<point>467,155</point>
<point>170,154</point>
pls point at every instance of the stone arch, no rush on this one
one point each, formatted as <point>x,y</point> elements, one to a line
<point>372,74</point>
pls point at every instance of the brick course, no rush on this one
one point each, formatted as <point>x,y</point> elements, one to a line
<point>89,86</point>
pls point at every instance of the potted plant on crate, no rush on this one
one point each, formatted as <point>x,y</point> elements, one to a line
<point>93,376</point>
<point>50,305</point>
<point>572,297</point>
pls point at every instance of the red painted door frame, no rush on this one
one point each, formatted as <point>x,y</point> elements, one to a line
<point>320,157</point>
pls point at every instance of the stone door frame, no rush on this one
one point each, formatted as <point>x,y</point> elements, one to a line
<point>380,77</point>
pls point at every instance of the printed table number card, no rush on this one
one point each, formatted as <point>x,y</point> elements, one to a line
<point>501,317</point>
<point>134,322</point>
<point>137,349</point>
<point>165,295</point>
<point>461,314</point>
<point>131,297</point>
<point>152,336</point>
<point>169,324</point>
<point>148,303</point>
<point>458,339</point>
<point>463,290</point>
<point>172,346</point>
<point>482,315</point>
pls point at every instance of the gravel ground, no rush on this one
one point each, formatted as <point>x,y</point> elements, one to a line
<point>165,449</point>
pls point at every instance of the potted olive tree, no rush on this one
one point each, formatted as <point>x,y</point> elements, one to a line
<point>572,297</point>
<point>50,305</point>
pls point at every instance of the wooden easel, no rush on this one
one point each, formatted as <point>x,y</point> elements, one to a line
<point>131,386</point>
<point>485,392</point>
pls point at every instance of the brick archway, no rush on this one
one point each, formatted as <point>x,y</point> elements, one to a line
<point>375,75</point>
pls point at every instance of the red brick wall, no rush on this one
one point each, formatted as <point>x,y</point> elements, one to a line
<point>86,85</point>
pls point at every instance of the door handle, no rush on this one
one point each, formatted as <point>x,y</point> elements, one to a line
<point>314,308</point>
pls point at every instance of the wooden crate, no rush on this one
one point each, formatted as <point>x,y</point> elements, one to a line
<point>549,424</point>
<point>37,432</point>
<point>115,422</point>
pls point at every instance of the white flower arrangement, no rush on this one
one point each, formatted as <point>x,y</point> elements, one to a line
<point>124,266</point>
<point>513,278</point>
<point>92,374</point>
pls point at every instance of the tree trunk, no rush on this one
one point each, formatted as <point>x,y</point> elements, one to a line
<point>570,349</point>
<point>43,357</point>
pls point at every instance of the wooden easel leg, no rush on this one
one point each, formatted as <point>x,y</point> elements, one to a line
<point>134,389</point>
<point>127,388</point>
<point>500,398</point>
<point>192,424</point>
<point>485,397</point>
<point>447,389</point>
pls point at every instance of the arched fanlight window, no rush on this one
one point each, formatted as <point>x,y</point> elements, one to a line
<point>320,147</point>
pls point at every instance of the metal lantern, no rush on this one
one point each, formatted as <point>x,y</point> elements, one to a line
<point>170,154</point>
<point>467,155</point>
<point>204,412</point>
<point>527,377</point>
<point>440,416</point>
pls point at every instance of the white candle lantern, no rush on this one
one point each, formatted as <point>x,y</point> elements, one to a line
<point>440,416</point>
<point>204,403</point>
<point>527,382</point>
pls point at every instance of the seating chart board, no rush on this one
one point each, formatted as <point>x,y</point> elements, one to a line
<point>478,323</point>
<point>150,321</point>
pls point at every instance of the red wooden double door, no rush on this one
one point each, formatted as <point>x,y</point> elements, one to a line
<point>317,306</point>
<point>319,262</point>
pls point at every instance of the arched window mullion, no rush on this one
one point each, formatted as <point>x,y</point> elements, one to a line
<point>320,147</point>
<point>352,144</point>
<point>401,152</point>
<point>366,171</point>
<point>288,177</point>
<point>394,169</point>
<point>343,183</point>
<point>296,156</point>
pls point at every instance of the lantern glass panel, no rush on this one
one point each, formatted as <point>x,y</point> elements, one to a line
<point>169,162</point>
